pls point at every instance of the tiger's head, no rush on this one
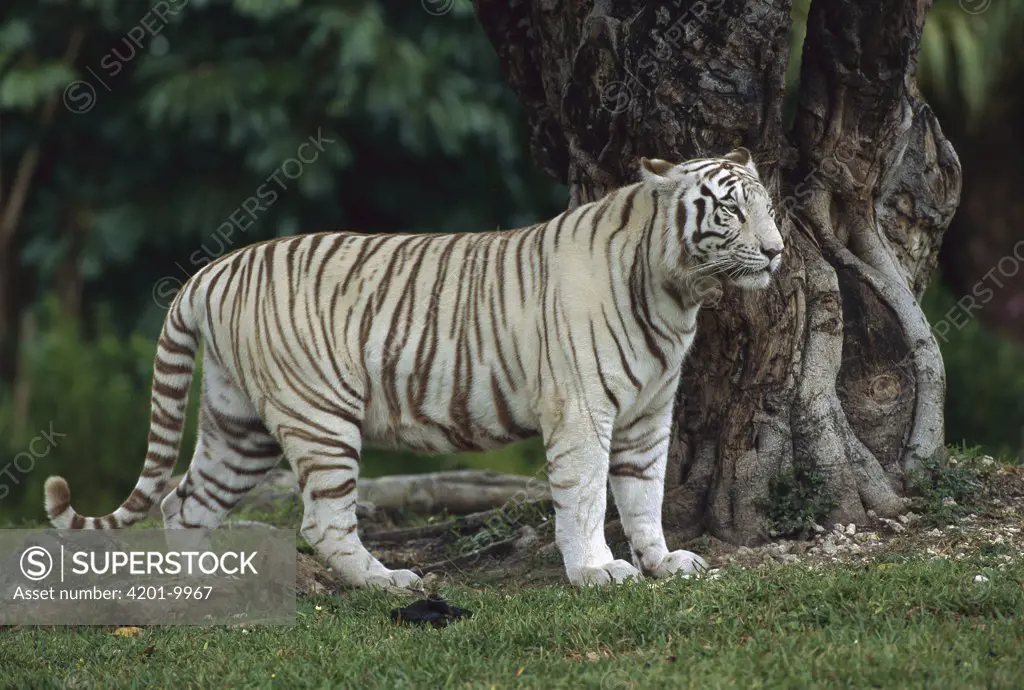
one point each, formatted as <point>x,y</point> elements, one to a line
<point>722,214</point>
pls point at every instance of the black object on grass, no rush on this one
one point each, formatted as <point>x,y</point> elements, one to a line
<point>433,610</point>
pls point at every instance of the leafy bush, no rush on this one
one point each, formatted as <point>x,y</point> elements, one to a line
<point>92,395</point>
<point>797,500</point>
<point>947,489</point>
<point>984,381</point>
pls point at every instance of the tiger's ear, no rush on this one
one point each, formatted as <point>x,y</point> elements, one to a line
<point>654,169</point>
<point>741,156</point>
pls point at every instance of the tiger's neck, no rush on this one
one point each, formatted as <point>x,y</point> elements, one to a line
<point>649,256</point>
<point>625,245</point>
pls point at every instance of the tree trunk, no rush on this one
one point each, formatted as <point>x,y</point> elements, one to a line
<point>832,369</point>
<point>70,283</point>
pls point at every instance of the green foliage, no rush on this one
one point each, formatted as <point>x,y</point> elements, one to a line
<point>797,500</point>
<point>963,55</point>
<point>285,513</point>
<point>984,378</point>
<point>193,121</point>
<point>946,489</point>
<point>92,394</point>
<point>525,457</point>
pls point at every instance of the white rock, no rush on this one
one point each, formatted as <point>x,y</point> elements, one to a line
<point>818,528</point>
<point>851,529</point>
<point>894,526</point>
<point>980,578</point>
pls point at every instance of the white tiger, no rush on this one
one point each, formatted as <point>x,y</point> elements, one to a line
<point>574,329</point>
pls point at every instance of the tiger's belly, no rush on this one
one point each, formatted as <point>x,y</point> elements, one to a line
<point>448,419</point>
<point>434,438</point>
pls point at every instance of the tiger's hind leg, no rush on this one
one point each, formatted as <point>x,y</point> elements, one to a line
<point>324,454</point>
<point>234,453</point>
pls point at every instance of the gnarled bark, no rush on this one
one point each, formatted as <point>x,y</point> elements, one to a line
<point>833,366</point>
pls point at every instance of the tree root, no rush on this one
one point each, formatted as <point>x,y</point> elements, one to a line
<point>926,435</point>
<point>821,431</point>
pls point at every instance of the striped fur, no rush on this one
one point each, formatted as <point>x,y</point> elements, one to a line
<point>574,329</point>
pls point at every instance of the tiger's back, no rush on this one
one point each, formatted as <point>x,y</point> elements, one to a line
<point>424,337</point>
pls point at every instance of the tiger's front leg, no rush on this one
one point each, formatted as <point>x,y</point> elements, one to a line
<point>637,475</point>
<point>577,441</point>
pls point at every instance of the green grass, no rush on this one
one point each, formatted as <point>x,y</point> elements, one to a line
<point>915,624</point>
<point>962,477</point>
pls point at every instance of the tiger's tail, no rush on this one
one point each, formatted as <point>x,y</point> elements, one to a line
<point>172,377</point>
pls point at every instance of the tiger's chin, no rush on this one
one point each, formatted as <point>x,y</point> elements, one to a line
<point>757,280</point>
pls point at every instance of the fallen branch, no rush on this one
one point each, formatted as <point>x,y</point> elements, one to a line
<point>457,492</point>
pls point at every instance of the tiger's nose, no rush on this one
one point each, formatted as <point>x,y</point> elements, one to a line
<point>771,252</point>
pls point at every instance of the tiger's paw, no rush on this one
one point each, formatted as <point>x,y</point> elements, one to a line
<point>683,563</point>
<point>614,572</point>
<point>397,582</point>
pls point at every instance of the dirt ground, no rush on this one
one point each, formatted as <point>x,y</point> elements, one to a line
<point>486,549</point>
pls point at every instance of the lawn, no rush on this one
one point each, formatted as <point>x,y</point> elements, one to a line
<point>932,600</point>
<point>907,622</point>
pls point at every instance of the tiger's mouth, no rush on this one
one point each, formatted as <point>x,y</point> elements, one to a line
<point>752,278</point>
<point>741,273</point>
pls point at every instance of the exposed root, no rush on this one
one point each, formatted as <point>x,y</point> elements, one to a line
<point>821,432</point>
<point>926,434</point>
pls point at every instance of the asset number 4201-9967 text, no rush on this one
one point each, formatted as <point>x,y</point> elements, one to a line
<point>176,592</point>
